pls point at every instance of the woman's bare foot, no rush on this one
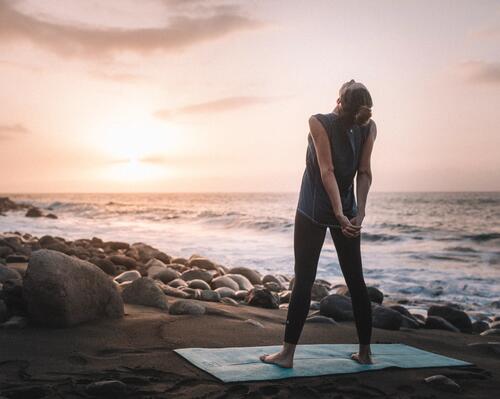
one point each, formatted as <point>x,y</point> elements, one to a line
<point>280,359</point>
<point>362,359</point>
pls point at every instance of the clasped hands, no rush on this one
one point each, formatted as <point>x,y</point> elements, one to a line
<point>351,227</point>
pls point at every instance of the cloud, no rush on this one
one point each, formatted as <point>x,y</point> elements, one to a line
<point>82,40</point>
<point>120,77</point>
<point>10,131</point>
<point>480,72</point>
<point>220,105</point>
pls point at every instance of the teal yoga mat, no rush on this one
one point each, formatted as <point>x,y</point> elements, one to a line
<point>243,364</point>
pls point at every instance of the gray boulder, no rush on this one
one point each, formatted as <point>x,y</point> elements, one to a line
<point>62,291</point>
<point>386,318</point>
<point>455,316</point>
<point>186,306</point>
<point>6,273</point>
<point>263,298</point>
<point>127,276</point>
<point>438,323</point>
<point>197,274</point>
<point>144,291</point>
<point>338,307</point>
<point>167,275</point>
<point>252,275</point>
<point>225,281</point>
<point>196,283</point>
<point>241,280</point>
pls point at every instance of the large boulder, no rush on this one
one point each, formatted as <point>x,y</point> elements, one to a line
<point>263,298</point>
<point>202,263</point>
<point>197,274</point>
<point>144,291</point>
<point>386,318</point>
<point>374,293</point>
<point>318,292</point>
<point>6,273</point>
<point>186,306</point>
<point>147,252</point>
<point>252,275</point>
<point>438,323</point>
<point>62,291</point>
<point>338,307</point>
<point>155,266</point>
<point>455,316</point>
<point>225,281</point>
<point>241,280</point>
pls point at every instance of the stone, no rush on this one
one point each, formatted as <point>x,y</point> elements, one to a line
<point>254,323</point>
<point>240,295</point>
<point>386,318</point>
<point>130,275</point>
<point>315,305</point>
<point>105,265</point>
<point>175,292</point>
<point>226,292</point>
<point>495,324</point>
<point>147,252</point>
<point>488,347</point>
<point>241,280</point>
<point>229,301</point>
<point>202,285</point>
<point>155,266</point>
<point>338,307</point>
<point>16,259</point>
<point>285,296</point>
<point>167,275</point>
<point>491,331</point>
<point>252,275</point>
<point>144,291</point>
<point>15,322</point>
<point>209,295</point>
<point>34,212</point>
<point>109,388</point>
<point>457,317</point>
<point>479,326</point>
<point>51,216</point>
<point>5,251</point>
<point>62,291</point>
<point>269,278</point>
<point>186,306</point>
<point>6,273</point>
<point>225,281</point>
<point>197,274</point>
<point>182,261</point>
<point>127,261</point>
<point>318,292</point>
<point>321,319</point>
<point>374,293</point>
<point>116,245</point>
<point>410,322</point>
<point>443,383</point>
<point>437,322</point>
<point>272,286</point>
<point>202,263</point>
<point>194,293</point>
<point>177,283</point>
<point>263,298</point>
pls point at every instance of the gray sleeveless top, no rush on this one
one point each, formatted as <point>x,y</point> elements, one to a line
<point>345,145</point>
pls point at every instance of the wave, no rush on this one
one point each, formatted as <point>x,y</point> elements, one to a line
<point>482,237</point>
<point>380,237</point>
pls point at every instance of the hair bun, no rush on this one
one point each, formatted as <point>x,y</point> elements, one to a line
<point>364,113</point>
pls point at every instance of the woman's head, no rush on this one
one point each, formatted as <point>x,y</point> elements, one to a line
<point>355,103</point>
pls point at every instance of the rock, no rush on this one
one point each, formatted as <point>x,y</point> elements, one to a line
<point>34,212</point>
<point>128,262</point>
<point>202,263</point>
<point>16,259</point>
<point>272,286</point>
<point>4,312</point>
<point>167,275</point>
<point>229,301</point>
<point>252,275</point>
<point>442,383</point>
<point>437,322</point>
<point>263,298</point>
<point>175,292</point>
<point>15,322</point>
<point>488,347</point>
<point>12,295</point>
<point>491,331</point>
<point>177,283</point>
<point>226,292</point>
<point>241,280</point>
<point>144,291</point>
<point>495,304</point>
<point>386,318</point>
<point>130,275</point>
<point>374,293</point>
<point>318,292</point>
<point>5,251</point>
<point>285,296</point>
<point>269,278</point>
<point>338,307</point>
<point>194,293</point>
<point>315,305</point>
<point>51,216</point>
<point>240,295</point>
<point>321,319</point>
<point>147,252</point>
<point>155,266</point>
<point>202,285</point>
<point>105,265</point>
<point>410,322</point>
<point>62,291</point>
<point>495,324</point>
<point>454,316</point>
<point>110,388</point>
<point>186,306</point>
<point>209,295</point>
<point>225,281</point>
<point>6,273</point>
<point>182,261</point>
<point>479,326</point>
<point>197,274</point>
<point>342,290</point>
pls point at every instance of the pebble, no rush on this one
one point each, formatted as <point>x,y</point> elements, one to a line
<point>186,306</point>
<point>491,331</point>
<point>209,295</point>
<point>252,275</point>
<point>263,298</point>
<point>225,281</point>
<point>177,283</point>
<point>225,292</point>
<point>442,383</point>
<point>130,275</point>
<point>197,274</point>
<point>109,388</point>
<point>200,284</point>
<point>144,291</point>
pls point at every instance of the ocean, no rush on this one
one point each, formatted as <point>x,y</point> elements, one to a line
<point>425,247</point>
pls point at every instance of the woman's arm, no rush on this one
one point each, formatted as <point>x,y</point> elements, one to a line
<point>364,175</point>
<point>326,167</point>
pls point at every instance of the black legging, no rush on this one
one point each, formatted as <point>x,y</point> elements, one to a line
<point>308,241</point>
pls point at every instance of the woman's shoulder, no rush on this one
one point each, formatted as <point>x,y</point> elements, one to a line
<point>326,119</point>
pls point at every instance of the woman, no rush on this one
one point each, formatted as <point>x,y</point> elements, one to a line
<point>339,147</point>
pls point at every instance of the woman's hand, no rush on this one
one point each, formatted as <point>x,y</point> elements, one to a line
<point>348,228</point>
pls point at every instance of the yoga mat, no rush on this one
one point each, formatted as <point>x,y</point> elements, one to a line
<point>243,364</point>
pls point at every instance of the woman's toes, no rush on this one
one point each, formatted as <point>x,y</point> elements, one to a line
<point>263,357</point>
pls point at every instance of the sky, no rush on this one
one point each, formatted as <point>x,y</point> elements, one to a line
<point>215,95</point>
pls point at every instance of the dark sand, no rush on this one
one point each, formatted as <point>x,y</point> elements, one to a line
<point>59,363</point>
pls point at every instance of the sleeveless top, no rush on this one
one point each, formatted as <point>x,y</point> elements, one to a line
<point>345,146</point>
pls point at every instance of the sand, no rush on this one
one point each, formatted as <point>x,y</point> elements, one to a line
<point>40,362</point>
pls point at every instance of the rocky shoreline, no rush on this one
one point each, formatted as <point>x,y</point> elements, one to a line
<point>143,275</point>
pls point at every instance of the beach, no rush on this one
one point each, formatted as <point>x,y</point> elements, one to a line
<point>172,302</point>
